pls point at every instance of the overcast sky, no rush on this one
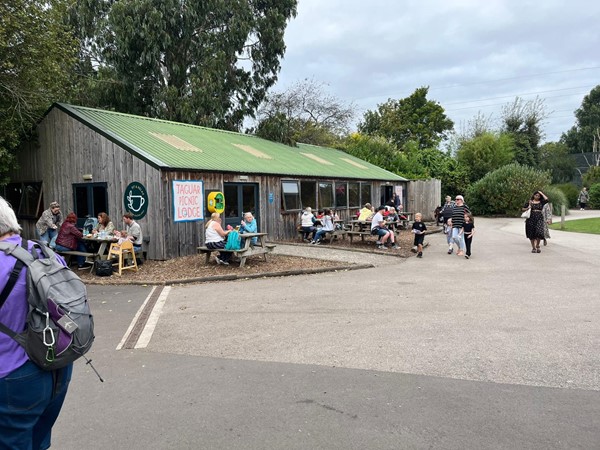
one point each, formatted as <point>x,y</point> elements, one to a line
<point>474,55</point>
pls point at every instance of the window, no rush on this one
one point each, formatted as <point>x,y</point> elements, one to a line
<point>354,195</point>
<point>25,198</point>
<point>365,193</point>
<point>341,197</point>
<point>291,195</point>
<point>325,195</point>
<point>90,199</point>
<point>308,194</point>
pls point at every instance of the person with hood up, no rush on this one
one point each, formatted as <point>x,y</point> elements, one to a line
<point>307,224</point>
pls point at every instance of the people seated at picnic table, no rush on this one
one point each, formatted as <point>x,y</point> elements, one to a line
<point>248,225</point>
<point>48,224</point>
<point>104,224</point>
<point>307,224</point>
<point>393,218</point>
<point>69,238</point>
<point>215,238</point>
<point>327,225</point>
<point>366,213</point>
<point>132,232</point>
<point>379,229</point>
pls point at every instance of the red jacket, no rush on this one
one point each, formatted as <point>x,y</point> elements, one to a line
<point>68,235</point>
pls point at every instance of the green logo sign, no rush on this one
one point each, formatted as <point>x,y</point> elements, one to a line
<point>135,199</point>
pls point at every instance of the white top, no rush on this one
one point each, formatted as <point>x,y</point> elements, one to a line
<point>327,223</point>
<point>306,219</point>
<point>211,234</point>
<point>376,222</point>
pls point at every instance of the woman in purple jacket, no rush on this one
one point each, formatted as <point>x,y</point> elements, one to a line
<point>30,398</point>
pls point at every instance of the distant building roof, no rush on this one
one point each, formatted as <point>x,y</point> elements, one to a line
<point>179,146</point>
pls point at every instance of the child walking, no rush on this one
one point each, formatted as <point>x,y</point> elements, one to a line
<point>419,229</point>
<point>468,232</point>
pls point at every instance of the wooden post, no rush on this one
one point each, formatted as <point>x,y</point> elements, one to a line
<point>562,217</point>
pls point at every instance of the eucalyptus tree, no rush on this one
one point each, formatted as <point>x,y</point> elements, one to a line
<point>37,55</point>
<point>206,62</point>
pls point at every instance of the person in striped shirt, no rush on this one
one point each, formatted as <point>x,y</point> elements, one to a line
<point>458,219</point>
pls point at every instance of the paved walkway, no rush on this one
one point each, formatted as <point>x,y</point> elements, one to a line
<point>499,351</point>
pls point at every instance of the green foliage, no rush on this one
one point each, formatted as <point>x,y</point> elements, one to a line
<point>410,119</point>
<point>557,197</point>
<point>592,176</point>
<point>594,196</point>
<point>590,226</point>
<point>485,153</point>
<point>201,62</point>
<point>580,138</point>
<point>37,55</point>
<point>555,158</point>
<point>505,190</point>
<point>571,193</point>
<point>380,152</point>
<point>523,120</point>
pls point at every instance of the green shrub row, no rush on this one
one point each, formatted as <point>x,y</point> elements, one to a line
<point>594,196</point>
<point>571,192</point>
<point>505,190</point>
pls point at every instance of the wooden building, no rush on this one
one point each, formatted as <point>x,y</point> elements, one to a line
<point>91,161</point>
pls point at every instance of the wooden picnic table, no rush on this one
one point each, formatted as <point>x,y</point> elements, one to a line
<point>362,228</point>
<point>100,245</point>
<point>260,248</point>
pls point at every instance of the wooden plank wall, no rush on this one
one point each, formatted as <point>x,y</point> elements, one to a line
<point>424,196</point>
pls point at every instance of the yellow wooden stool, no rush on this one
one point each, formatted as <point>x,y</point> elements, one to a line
<point>123,251</point>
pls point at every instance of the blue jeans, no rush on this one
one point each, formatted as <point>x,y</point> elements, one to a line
<point>49,237</point>
<point>80,248</point>
<point>320,233</point>
<point>458,238</point>
<point>30,402</point>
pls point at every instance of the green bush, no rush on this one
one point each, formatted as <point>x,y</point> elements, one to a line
<point>594,196</point>
<point>571,192</point>
<point>505,190</point>
<point>557,197</point>
<point>592,176</point>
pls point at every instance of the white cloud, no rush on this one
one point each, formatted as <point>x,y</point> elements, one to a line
<point>469,53</point>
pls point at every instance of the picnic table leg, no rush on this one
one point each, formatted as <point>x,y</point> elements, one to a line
<point>207,258</point>
<point>242,261</point>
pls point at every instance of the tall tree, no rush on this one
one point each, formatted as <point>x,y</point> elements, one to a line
<point>304,113</point>
<point>523,119</point>
<point>206,62</point>
<point>584,136</point>
<point>413,118</point>
<point>555,158</point>
<point>37,55</point>
<point>485,153</point>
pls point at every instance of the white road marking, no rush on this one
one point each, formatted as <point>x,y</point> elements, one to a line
<point>148,330</point>
<point>135,319</point>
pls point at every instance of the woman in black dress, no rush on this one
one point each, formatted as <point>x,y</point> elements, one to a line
<point>534,226</point>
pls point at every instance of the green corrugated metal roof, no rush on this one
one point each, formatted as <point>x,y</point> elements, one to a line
<point>221,151</point>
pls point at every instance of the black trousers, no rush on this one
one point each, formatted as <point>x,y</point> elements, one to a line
<point>468,241</point>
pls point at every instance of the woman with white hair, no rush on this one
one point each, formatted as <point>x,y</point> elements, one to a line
<point>248,225</point>
<point>30,398</point>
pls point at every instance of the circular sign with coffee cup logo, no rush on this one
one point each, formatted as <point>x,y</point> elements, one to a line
<point>135,200</point>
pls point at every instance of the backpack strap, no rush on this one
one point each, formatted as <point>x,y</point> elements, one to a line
<point>12,280</point>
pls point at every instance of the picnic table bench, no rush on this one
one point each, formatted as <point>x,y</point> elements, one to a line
<point>333,234</point>
<point>260,248</point>
<point>89,257</point>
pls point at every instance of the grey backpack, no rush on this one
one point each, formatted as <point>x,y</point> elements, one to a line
<point>60,327</point>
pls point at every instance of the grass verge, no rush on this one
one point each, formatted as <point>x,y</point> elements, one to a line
<point>590,226</point>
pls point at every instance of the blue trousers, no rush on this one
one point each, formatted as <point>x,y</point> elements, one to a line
<point>80,248</point>
<point>30,400</point>
<point>49,237</point>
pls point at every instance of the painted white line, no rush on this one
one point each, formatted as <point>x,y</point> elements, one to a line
<point>134,321</point>
<point>148,330</point>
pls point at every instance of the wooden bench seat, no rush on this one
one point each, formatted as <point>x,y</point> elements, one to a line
<point>243,253</point>
<point>89,257</point>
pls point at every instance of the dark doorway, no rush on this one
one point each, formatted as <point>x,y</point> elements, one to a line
<point>386,194</point>
<point>89,200</point>
<point>240,198</point>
